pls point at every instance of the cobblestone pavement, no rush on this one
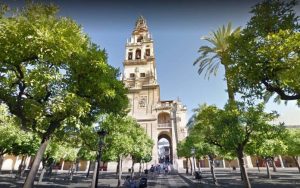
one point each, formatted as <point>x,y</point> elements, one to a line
<point>284,178</point>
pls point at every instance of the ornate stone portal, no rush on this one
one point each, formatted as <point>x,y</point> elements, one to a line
<point>160,119</point>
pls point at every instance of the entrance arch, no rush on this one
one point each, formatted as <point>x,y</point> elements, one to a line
<point>165,152</point>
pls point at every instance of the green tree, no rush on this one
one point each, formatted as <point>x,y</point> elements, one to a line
<point>293,143</point>
<point>211,57</point>
<point>13,140</point>
<point>89,145</point>
<point>184,150</point>
<point>58,150</point>
<point>233,128</point>
<point>55,76</point>
<point>118,142</point>
<point>272,145</point>
<point>265,56</point>
<point>26,144</point>
<point>142,147</point>
<point>8,132</point>
<point>196,141</point>
<point>203,147</point>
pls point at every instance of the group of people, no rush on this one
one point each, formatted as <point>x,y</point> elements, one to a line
<point>160,169</point>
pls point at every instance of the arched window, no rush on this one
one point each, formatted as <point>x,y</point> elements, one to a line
<point>147,52</point>
<point>129,55</point>
<point>138,54</point>
<point>164,118</point>
<point>140,39</point>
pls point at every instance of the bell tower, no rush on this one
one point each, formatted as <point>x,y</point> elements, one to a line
<point>160,119</point>
<point>140,71</point>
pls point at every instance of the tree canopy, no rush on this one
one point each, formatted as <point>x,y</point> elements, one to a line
<point>234,128</point>
<point>266,55</point>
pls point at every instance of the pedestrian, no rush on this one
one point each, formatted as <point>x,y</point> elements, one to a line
<point>257,165</point>
<point>158,169</point>
<point>166,170</point>
<point>169,169</point>
<point>152,171</point>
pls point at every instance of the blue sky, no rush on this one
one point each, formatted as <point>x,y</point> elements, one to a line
<point>176,27</point>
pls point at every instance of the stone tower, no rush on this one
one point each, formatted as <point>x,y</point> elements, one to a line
<point>160,119</point>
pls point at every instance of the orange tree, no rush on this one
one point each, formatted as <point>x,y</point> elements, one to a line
<point>52,77</point>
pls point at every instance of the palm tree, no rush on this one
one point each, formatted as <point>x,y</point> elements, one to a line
<point>211,57</point>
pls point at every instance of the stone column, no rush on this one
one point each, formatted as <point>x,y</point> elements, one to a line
<point>208,162</point>
<point>62,165</point>
<point>224,164</point>
<point>281,162</point>
<point>248,161</point>
<point>87,166</point>
<point>174,139</point>
<point>15,164</point>
<point>154,136</point>
<point>27,162</point>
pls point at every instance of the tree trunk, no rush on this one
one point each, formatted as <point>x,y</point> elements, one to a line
<point>35,166</point>
<point>72,170</point>
<point>297,162</point>
<point>94,180</point>
<point>23,167</point>
<point>140,169</point>
<point>132,169</point>
<point>243,170</point>
<point>20,167</point>
<point>120,171</point>
<point>1,162</point>
<point>96,174</point>
<point>230,89</point>
<point>268,168</point>
<point>212,169</point>
<point>51,169</point>
<point>274,165</point>
<point>187,166</point>
<point>117,170</point>
<point>88,171</point>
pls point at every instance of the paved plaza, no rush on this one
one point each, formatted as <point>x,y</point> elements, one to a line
<point>284,178</point>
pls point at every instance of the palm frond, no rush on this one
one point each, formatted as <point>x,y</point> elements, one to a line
<point>211,57</point>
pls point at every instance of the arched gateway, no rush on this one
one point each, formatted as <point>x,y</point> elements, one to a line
<point>160,118</point>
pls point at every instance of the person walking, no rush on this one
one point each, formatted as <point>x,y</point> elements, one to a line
<point>166,170</point>
<point>169,169</point>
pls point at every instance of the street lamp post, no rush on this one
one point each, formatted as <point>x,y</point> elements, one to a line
<point>193,154</point>
<point>101,134</point>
